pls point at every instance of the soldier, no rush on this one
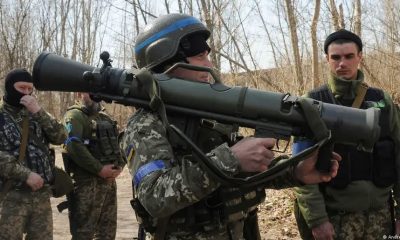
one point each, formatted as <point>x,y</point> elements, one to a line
<point>92,157</point>
<point>354,205</point>
<point>26,165</point>
<point>175,197</point>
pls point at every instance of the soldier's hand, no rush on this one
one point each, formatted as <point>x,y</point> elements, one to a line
<point>254,154</point>
<point>30,103</point>
<point>34,181</point>
<point>118,171</point>
<point>107,171</point>
<point>324,231</point>
<point>307,173</point>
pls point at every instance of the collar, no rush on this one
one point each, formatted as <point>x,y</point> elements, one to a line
<point>344,89</point>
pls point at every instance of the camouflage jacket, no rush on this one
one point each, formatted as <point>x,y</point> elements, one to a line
<point>38,158</point>
<point>81,134</point>
<point>173,187</point>
<point>359,195</point>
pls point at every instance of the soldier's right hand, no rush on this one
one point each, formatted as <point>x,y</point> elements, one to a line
<point>324,231</point>
<point>31,103</point>
<point>34,181</point>
<point>254,154</point>
<point>108,171</point>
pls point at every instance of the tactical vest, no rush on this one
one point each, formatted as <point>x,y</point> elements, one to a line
<point>37,157</point>
<point>379,166</point>
<point>224,205</point>
<point>103,142</point>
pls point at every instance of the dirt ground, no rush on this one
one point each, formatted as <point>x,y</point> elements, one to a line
<point>276,215</point>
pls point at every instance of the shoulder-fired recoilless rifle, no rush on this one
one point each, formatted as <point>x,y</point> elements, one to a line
<point>272,114</point>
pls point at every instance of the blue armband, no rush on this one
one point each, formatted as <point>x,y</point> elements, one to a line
<point>147,169</point>
<point>301,145</point>
<point>72,138</point>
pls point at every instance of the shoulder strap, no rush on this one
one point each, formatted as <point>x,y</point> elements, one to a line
<point>361,91</point>
<point>24,140</point>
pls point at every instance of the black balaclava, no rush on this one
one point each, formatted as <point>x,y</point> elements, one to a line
<point>12,96</point>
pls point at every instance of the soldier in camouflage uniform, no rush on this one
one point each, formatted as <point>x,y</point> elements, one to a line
<point>356,204</point>
<point>175,197</point>
<point>26,203</point>
<point>93,158</point>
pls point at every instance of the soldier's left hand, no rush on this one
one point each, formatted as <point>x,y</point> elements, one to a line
<point>30,103</point>
<point>306,172</point>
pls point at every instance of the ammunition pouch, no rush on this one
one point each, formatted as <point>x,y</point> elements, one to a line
<point>384,163</point>
<point>104,143</point>
<point>62,184</point>
<point>211,213</point>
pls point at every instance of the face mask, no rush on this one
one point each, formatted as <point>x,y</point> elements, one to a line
<point>12,96</point>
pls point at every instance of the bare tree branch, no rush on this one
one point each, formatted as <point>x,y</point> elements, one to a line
<point>315,50</point>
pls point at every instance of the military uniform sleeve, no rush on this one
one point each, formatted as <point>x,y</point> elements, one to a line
<point>285,180</point>
<point>11,169</point>
<point>395,132</point>
<point>311,204</point>
<point>309,198</point>
<point>54,131</point>
<point>162,185</point>
<point>121,163</point>
<point>78,152</point>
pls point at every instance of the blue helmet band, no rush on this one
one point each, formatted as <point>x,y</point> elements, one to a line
<point>171,28</point>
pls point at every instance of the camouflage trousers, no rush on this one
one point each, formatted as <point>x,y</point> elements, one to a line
<point>23,211</point>
<point>94,210</point>
<point>369,225</point>
<point>366,225</point>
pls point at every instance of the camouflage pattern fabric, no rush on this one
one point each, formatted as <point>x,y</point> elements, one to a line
<point>368,225</point>
<point>168,189</point>
<point>26,212</point>
<point>94,201</point>
<point>94,210</point>
<point>23,210</point>
<point>80,127</point>
<point>44,127</point>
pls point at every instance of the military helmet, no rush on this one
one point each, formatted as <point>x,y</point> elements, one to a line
<point>160,40</point>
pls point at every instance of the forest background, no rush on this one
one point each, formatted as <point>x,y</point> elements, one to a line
<point>273,45</point>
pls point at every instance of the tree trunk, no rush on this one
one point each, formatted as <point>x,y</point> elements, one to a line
<point>315,50</point>
<point>295,46</point>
